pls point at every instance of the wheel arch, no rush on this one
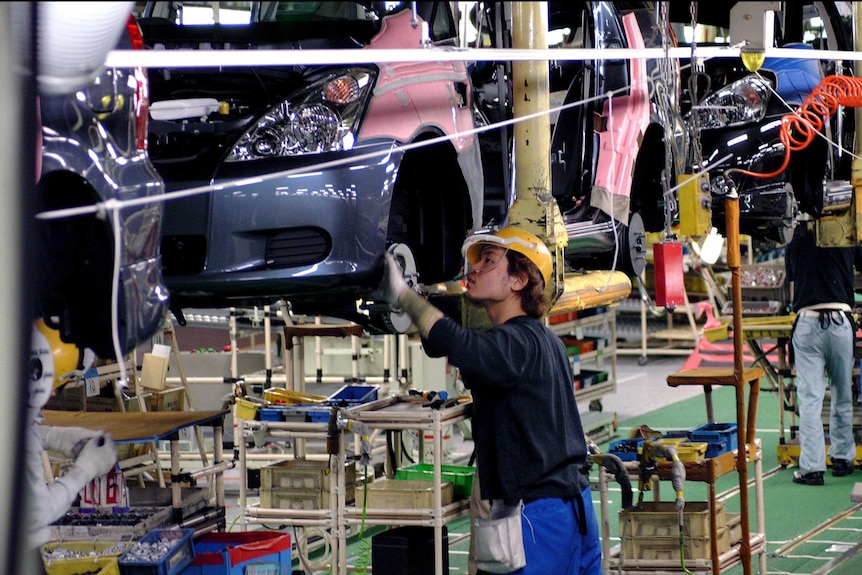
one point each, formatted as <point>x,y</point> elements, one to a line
<point>432,209</point>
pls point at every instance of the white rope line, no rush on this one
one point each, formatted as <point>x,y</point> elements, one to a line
<point>232,184</point>
<point>240,58</point>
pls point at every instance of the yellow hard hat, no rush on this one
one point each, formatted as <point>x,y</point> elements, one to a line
<point>514,239</point>
<point>65,356</point>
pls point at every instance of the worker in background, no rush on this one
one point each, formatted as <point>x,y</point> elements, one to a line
<point>530,443</point>
<point>821,283</point>
<point>93,452</point>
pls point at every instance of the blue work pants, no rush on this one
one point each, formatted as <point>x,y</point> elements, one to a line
<point>824,349</point>
<point>553,542</point>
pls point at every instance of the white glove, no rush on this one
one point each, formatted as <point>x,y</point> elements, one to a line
<point>66,440</point>
<point>97,456</point>
<point>392,284</point>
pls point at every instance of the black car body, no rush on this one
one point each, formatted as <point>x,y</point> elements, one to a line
<point>94,150</point>
<point>311,190</point>
<point>747,134</point>
<point>612,160</point>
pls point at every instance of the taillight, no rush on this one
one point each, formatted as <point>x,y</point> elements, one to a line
<point>135,35</point>
<point>142,103</point>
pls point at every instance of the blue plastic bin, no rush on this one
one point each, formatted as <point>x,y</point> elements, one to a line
<point>173,562</point>
<point>715,432</point>
<point>353,395</point>
<point>626,449</point>
<point>270,414</point>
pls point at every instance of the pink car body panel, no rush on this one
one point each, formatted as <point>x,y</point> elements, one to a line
<point>626,119</point>
<point>410,97</point>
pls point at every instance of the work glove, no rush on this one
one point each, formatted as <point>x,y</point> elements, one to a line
<point>66,440</point>
<point>392,284</point>
<point>97,456</point>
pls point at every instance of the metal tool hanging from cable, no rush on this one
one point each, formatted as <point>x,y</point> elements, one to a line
<point>695,200</point>
<point>667,254</point>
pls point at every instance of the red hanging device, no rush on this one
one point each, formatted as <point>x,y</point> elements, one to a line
<point>669,280</point>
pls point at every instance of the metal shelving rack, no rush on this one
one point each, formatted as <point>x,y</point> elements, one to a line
<point>709,471</point>
<point>596,424</point>
<point>391,413</point>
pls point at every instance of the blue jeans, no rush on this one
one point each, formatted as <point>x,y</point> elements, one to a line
<point>552,539</point>
<point>822,351</point>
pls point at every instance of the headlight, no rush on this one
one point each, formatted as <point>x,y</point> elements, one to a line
<point>323,117</point>
<point>739,103</point>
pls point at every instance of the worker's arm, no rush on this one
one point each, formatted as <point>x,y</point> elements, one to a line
<point>395,291</point>
<point>50,501</point>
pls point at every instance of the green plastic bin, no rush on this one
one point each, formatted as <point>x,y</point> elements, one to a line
<point>460,476</point>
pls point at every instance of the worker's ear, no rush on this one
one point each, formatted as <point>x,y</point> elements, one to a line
<point>519,281</point>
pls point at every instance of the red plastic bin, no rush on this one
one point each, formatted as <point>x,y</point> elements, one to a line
<point>241,553</point>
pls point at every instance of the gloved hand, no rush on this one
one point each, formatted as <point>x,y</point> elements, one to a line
<point>98,456</point>
<point>66,440</point>
<point>392,284</point>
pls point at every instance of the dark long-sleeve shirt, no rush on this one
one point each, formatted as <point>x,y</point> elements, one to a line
<point>527,431</point>
<point>820,275</point>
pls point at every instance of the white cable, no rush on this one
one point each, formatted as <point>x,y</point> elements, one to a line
<point>113,208</point>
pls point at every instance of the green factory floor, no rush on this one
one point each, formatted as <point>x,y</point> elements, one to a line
<point>809,529</point>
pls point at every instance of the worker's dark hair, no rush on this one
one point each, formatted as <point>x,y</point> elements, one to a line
<point>532,296</point>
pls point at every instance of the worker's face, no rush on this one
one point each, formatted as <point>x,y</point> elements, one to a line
<point>41,375</point>
<point>489,279</point>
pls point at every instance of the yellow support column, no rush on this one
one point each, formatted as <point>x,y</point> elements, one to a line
<point>535,209</point>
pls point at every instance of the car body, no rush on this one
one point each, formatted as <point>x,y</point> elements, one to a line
<point>93,150</point>
<point>608,155</point>
<point>298,218</point>
<point>748,138</point>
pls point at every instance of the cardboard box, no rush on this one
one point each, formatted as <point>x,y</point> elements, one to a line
<point>154,371</point>
<point>168,399</point>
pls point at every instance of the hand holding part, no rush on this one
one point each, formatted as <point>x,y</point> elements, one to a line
<point>66,440</point>
<point>97,456</point>
<point>392,284</point>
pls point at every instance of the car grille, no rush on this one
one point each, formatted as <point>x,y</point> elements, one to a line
<point>297,247</point>
<point>183,255</point>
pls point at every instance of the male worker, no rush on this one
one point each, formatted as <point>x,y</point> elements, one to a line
<point>821,281</point>
<point>530,443</point>
<point>93,452</point>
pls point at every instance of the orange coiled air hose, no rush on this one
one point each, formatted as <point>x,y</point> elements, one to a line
<point>799,129</point>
